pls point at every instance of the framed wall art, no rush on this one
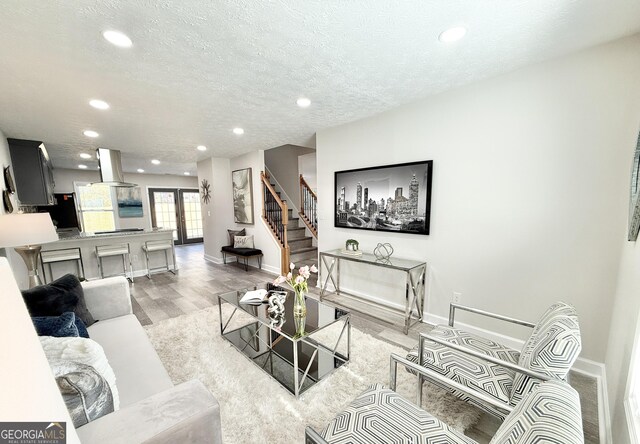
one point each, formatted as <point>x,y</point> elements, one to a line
<point>129,201</point>
<point>242,196</point>
<point>393,198</point>
<point>634,195</point>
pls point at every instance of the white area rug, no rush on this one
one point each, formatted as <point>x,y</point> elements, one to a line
<point>256,409</point>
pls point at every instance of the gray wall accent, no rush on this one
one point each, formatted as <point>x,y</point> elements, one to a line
<point>283,164</point>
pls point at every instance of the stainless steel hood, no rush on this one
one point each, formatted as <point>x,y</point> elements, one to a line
<point>111,168</point>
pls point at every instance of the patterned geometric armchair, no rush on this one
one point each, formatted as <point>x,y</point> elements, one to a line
<point>490,368</point>
<point>549,413</point>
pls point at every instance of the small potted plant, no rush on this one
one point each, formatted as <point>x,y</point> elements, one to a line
<point>352,245</point>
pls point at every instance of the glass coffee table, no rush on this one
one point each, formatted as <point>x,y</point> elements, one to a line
<point>296,352</point>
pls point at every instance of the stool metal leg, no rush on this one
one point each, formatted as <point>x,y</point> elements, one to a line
<point>44,271</point>
<point>130,264</point>
<point>81,265</point>
<point>124,266</point>
<point>173,254</point>
<point>146,256</point>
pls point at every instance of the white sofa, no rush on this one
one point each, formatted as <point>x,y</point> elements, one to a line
<point>152,409</point>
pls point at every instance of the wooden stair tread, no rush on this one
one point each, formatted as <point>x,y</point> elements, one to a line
<point>304,250</point>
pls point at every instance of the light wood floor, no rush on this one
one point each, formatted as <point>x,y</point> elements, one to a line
<point>198,283</point>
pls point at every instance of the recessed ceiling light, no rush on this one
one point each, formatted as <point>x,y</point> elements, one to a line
<point>453,34</point>
<point>303,102</point>
<point>90,133</point>
<point>187,173</point>
<point>99,104</point>
<point>140,170</point>
<point>201,148</point>
<point>82,167</point>
<point>85,155</point>
<point>238,131</point>
<point>117,38</point>
<point>155,162</point>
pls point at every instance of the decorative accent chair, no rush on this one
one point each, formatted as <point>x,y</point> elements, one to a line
<point>506,375</point>
<point>549,412</point>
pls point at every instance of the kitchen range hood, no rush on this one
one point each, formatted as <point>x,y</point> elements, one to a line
<point>111,168</point>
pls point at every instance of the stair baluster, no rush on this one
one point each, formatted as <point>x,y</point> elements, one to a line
<point>308,207</point>
<point>276,214</point>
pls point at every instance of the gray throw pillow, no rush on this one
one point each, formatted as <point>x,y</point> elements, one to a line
<point>234,233</point>
<point>57,297</point>
<point>85,392</point>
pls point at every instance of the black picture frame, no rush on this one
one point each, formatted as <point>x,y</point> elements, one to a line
<point>355,208</point>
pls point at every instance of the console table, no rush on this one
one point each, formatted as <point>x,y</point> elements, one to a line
<point>415,276</point>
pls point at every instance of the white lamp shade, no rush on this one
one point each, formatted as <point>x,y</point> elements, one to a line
<point>17,230</point>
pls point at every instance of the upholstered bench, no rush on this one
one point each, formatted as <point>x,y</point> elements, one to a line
<point>242,253</point>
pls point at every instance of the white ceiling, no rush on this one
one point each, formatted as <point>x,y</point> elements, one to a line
<point>199,68</point>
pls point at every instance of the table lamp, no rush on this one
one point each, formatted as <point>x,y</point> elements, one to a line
<point>25,232</point>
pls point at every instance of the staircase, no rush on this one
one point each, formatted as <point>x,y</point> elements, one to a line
<point>302,251</point>
<point>289,231</point>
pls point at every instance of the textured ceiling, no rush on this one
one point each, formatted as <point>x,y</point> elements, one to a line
<point>199,68</point>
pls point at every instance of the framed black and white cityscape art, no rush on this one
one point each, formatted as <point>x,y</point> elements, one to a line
<point>386,198</point>
<point>634,195</point>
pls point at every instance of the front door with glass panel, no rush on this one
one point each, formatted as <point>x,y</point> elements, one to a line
<point>179,210</point>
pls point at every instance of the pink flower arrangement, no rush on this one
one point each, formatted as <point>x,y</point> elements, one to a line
<point>299,283</point>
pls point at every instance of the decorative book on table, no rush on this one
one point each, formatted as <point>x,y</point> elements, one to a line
<point>254,296</point>
<point>356,253</point>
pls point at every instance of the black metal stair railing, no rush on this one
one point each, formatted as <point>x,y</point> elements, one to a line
<point>276,214</point>
<point>308,206</point>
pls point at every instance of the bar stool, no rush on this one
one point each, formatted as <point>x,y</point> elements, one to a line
<point>122,250</point>
<point>160,245</point>
<point>63,255</point>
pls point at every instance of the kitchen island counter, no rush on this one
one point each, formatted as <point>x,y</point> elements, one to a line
<point>87,242</point>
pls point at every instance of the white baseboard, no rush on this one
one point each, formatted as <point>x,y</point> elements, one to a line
<point>604,414</point>
<point>218,261</point>
<point>271,269</point>
<point>215,260</point>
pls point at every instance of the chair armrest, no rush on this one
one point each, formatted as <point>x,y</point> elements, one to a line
<point>108,298</point>
<point>453,307</point>
<point>442,380</point>
<point>185,413</point>
<point>313,437</point>
<point>479,355</point>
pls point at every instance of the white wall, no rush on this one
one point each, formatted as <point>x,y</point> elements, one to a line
<point>283,164</point>
<point>530,188</point>
<point>64,179</point>
<point>218,213</point>
<point>218,172</point>
<point>307,166</point>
